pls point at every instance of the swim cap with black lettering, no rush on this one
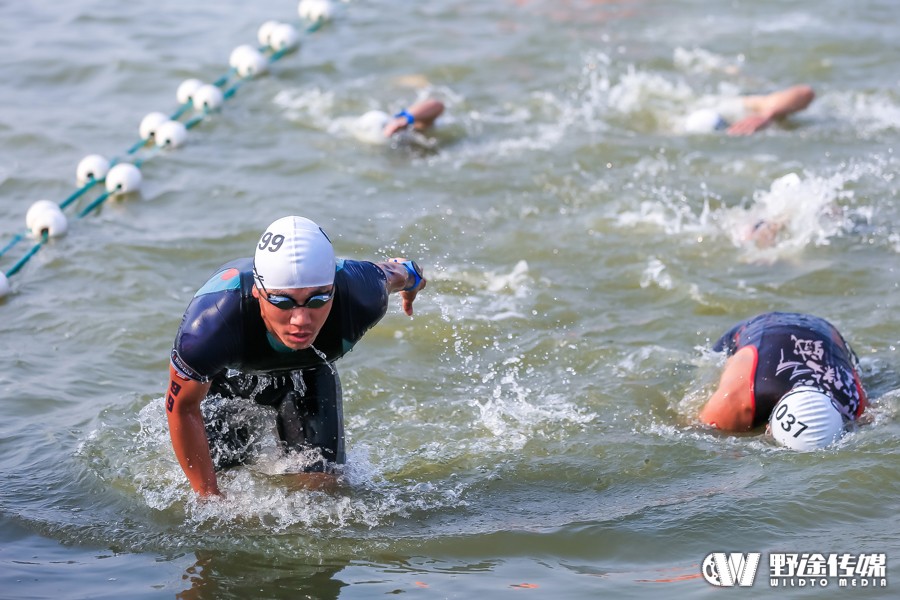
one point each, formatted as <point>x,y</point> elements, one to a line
<point>293,252</point>
<point>806,419</point>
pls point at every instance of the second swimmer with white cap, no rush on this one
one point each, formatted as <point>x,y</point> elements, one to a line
<point>267,330</point>
<point>744,115</point>
<point>791,370</point>
<point>377,127</point>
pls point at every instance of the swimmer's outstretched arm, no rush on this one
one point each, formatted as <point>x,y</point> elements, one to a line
<point>398,279</point>
<point>769,107</point>
<point>424,114</point>
<point>188,433</point>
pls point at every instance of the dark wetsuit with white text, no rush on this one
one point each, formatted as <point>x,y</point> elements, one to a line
<point>796,349</point>
<point>223,340</point>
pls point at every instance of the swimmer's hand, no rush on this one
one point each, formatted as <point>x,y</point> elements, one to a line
<point>210,497</point>
<point>398,278</point>
<point>406,299</point>
<point>394,125</point>
<point>211,493</point>
<point>749,125</point>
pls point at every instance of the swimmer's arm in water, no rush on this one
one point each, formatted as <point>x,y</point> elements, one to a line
<point>188,432</point>
<point>424,114</point>
<point>398,279</point>
<point>731,406</point>
<point>769,107</point>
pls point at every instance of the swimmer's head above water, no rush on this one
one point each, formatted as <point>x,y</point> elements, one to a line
<point>293,253</point>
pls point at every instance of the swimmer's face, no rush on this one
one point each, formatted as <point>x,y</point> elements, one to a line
<point>765,233</point>
<point>297,327</point>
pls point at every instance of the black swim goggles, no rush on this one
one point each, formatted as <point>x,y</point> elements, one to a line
<point>288,303</point>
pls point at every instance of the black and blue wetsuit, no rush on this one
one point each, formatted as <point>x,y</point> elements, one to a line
<point>796,349</point>
<point>224,341</point>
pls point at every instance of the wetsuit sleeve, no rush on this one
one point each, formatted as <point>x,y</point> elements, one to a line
<point>210,336</point>
<point>364,297</point>
<point>728,343</point>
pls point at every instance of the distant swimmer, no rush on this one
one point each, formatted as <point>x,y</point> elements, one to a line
<point>378,127</point>
<point>744,115</point>
<point>793,371</point>
<point>793,212</point>
<point>267,330</point>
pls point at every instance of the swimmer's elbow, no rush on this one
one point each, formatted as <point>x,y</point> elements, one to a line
<point>727,420</point>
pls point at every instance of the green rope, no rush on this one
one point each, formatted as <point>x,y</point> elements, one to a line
<point>138,145</point>
<point>316,26</point>
<point>78,193</point>
<point>181,110</point>
<point>231,91</point>
<point>15,268</point>
<point>193,121</point>
<point>16,239</point>
<point>221,82</point>
<point>97,202</point>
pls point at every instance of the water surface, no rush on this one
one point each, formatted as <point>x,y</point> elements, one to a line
<point>532,430</point>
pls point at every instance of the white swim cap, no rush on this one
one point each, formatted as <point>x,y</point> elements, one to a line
<point>369,127</point>
<point>806,419</point>
<point>293,253</point>
<point>705,120</point>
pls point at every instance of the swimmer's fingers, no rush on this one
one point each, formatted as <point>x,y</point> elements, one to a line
<point>407,298</point>
<point>748,125</point>
<point>394,126</point>
<point>211,496</point>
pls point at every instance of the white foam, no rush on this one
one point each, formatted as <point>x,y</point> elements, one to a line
<point>312,106</point>
<point>793,213</point>
<point>869,113</point>
<point>700,60</point>
<point>791,22</point>
<point>515,413</point>
<point>655,274</point>
<point>507,290</point>
<point>804,210</point>
<point>641,91</point>
<point>263,493</point>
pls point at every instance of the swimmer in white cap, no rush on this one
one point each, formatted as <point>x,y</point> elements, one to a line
<point>378,127</point>
<point>744,115</point>
<point>790,370</point>
<point>268,330</point>
<point>806,418</point>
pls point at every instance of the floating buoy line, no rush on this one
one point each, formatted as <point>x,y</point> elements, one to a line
<point>158,131</point>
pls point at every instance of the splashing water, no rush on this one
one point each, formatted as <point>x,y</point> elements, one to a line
<point>794,213</point>
<point>699,60</point>
<point>324,358</point>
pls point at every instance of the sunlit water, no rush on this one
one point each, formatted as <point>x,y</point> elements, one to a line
<point>531,430</point>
